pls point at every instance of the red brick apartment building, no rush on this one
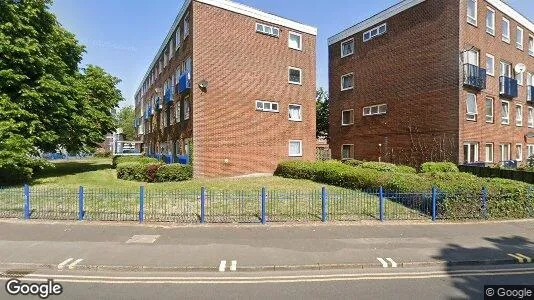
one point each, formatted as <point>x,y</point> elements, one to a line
<point>434,80</point>
<point>236,99</point>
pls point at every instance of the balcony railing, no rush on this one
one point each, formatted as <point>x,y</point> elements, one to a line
<point>508,87</point>
<point>530,93</point>
<point>474,77</point>
<point>184,84</point>
<point>167,97</point>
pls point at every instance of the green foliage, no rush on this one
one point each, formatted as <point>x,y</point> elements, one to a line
<point>322,107</point>
<point>46,102</point>
<point>151,170</point>
<point>430,167</point>
<point>353,162</point>
<point>133,171</point>
<point>139,159</point>
<point>125,120</point>
<point>105,154</point>
<point>174,173</point>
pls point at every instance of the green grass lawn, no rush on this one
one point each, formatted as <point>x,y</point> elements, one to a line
<point>54,194</point>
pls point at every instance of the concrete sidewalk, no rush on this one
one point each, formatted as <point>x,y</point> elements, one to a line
<point>34,245</point>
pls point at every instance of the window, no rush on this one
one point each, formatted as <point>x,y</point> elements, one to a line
<point>531,45</point>
<point>470,152</point>
<point>347,117</point>
<point>347,151</point>
<point>187,108</point>
<point>186,25</point>
<point>530,151</point>
<point>295,112</point>
<point>530,117</point>
<point>178,37</point>
<point>490,65</point>
<point>519,38</point>
<point>295,148</point>
<point>490,21</point>
<point>506,69</point>
<point>268,30</point>
<point>519,152</point>
<point>505,30</point>
<point>295,40</point>
<point>347,82</point>
<point>505,113</point>
<point>295,75</point>
<point>347,48</point>
<point>519,115</point>
<point>471,107</point>
<point>374,32</point>
<point>472,57</point>
<point>489,153</point>
<point>472,12</point>
<point>489,110</point>
<point>530,86</point>
<point>267,106</point>
<point>177,111</point>
<point>171,47</point>
<point>505,152</point>
<point>375,110</point>
<point>519,78</point>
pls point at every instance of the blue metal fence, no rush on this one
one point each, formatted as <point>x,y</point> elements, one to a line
<point>261,206</point>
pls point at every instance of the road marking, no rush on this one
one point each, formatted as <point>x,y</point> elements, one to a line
<point>142,239</point>
<point>383,262</point>
<point>64,263</point>
<point>526,258</point>
<point>518,258</point>
<point>222,266</point>
<point>233,267</point>
<point>73,265</point>
<point>393,263</point>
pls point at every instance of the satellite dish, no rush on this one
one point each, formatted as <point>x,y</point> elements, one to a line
<point>203,84</point>
<point>520,68</point>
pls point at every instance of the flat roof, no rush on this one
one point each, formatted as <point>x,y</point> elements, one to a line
<point>407,4</point>
<point>233,7</point>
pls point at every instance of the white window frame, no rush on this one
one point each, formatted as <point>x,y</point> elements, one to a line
<point>300,112</point>
<point>270,105</point>
<point>518,117</point>
<point>505,38</point>
<point>472,157</point>
<point>471,116</point>
<point>490,30</point>
<point>520,77</point>
<point>186,25</point>
<point>351,40</point>
<point>178,38</point>
<point>381,109</point>
<point>490,72</point>
<point>274,31</point>
<point>492,156</point>
<point>530,117</point>
<point>508,69</point>
<point>375,32</point>
<point>492,117</point>
<point>519,43</point>
<point>300,147</point>
<point>289,75</point>
<point>530,45</point>
<point>519,154</point>
<point>505,121</point>
<point>177,112</point>
<point>291,33</point>
<point>530,150</point>
<point>351,122</point>
<point>187,108</point>
<point>343,77</point>
<point>351,151</point>
<point>473,20</point>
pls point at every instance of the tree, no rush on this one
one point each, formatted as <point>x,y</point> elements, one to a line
<point>46,102</point>
<point>322,106</point>
<point>125,121</point>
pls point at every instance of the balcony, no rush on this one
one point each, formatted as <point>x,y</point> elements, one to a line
<point>530,94</point>
<point>159,105</point>
<point>184,84</point>
<point>474,77</point>
<point>508,87</point>
<point>167,97</point>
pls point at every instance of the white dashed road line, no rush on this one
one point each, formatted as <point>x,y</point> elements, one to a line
<point>233,267</point>
<point>73,265</point>
<point>64,263</point>
<point>383,262</point>
<point>222,266</point>
<point>393,263</point>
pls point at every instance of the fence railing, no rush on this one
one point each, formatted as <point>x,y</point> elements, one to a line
<point>262,206</point>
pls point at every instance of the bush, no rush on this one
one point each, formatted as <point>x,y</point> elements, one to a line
<point>174,173</point>
<point>150,171</point>
<point>446,167</point>
<point>353,162</point>
<point>133,171</point>
<point>124,159</point>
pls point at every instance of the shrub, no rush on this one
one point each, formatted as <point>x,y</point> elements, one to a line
<point>150,171</point>
<point>387,167</point>
<point>446,167</point>
<point>174,173</point>
<point>353,162</point>
<point>140,159</point>
<point>133,171</point>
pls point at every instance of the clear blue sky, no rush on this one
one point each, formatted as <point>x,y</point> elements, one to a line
<point>123,36</point>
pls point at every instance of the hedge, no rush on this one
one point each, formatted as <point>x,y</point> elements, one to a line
<point>174,173</point>
<point>133,171</point>
<point>446,167</point>
<point>124,159</point>
<point>154,172</point>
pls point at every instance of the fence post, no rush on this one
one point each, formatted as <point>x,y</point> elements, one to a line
<point>26,191</point>
<point>484,202</point>
<point>141,204</point>
<point>434,204</point>
<point>263,204</point>
<point>382,207</point>
<point>80,204</point>
<point>324,204</point>
<point>203,205</point>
